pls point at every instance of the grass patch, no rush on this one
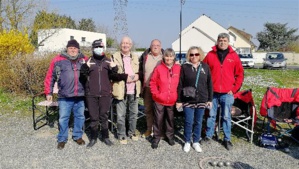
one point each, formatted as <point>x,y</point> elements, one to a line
<point>11,103</point>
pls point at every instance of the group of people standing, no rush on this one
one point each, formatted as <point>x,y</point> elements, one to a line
<point>200,83</point>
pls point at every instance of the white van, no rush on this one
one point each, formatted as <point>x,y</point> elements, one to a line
<point>246,57</point>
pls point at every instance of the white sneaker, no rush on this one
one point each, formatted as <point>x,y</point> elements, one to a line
<point>187,147</point>
<point>134,137</point>
<point>123,141</point>
<point>197,147</point>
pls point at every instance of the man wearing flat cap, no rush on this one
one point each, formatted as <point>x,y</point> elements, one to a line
<point>96,75</point>
<point>65,70</point>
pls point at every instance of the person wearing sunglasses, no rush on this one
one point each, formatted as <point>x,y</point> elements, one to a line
<point>194,94</point>
<point>227,76</point>
<point>163,85</point>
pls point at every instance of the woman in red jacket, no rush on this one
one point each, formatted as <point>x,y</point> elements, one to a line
<point>163,85</point>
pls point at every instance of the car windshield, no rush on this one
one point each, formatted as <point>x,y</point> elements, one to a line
<point>274,56</point>
<point>245,55</point>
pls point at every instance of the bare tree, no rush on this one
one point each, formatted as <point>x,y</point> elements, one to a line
<point>17,14</point>
<point>87,25</point>
<point>110,41</point>
<point>1,19</point>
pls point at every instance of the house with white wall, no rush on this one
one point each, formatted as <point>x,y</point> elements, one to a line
<point>203,32</point>
<point>243,43</point>
<point>51,40</point>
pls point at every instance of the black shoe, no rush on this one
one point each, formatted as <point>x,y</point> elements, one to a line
<point>60,145</point>
<point>91,143</point>
<point>228,145</point>
<point>206,140</point>
<point>154,145</point>
<point>171,142</point>
<point>107,142</point>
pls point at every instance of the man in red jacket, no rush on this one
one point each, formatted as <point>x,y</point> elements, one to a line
<point>227,76</point>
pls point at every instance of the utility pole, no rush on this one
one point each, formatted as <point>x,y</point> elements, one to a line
<point>181,11</point>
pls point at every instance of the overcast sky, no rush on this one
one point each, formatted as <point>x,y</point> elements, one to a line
<point>150,19</point>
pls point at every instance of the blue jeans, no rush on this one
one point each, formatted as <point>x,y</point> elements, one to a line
<point>193,120</point>
<point>66,106</point>
<point>121,109</point>
<point>225,101</point>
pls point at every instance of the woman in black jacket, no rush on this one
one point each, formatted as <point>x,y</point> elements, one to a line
<point>194,95</point>
<point>96,75</point>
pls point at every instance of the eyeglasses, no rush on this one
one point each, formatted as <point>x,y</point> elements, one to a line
<point>194,54</point>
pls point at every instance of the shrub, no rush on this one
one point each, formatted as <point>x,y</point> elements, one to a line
<point>14,43</point>
<point>294,46</point>
<point>24,74</point>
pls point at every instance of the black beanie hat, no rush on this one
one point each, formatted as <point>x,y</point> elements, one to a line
<point>73,43</point>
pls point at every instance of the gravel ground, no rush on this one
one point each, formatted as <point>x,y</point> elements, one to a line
<point>23,147</point>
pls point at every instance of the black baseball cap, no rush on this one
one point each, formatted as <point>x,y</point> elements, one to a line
<point>97,43</point>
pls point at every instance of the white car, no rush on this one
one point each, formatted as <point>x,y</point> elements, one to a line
<point>247,60</point>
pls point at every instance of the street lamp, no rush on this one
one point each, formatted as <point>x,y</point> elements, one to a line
<point>182,3</point>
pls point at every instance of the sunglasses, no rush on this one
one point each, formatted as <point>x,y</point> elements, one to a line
<point>194,54</point>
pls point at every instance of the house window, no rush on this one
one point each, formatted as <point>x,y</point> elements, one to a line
<point>72,37</point>
<point>83,39</point>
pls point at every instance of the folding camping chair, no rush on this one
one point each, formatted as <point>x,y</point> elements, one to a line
<point>281,106</point>
<point>43,110</point>
<point>247,117</point>
<point>243,113</point>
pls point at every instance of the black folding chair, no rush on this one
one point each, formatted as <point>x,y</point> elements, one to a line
<point>44,112</point>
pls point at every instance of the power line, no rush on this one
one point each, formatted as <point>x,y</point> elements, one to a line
<point>120,18</point>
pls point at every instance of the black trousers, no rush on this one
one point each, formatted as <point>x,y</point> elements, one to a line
<point>163,119</point>
<point>98,108</point>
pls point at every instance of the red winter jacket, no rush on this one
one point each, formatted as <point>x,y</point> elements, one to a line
<point>227,76</point>
<point>164,83</point>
